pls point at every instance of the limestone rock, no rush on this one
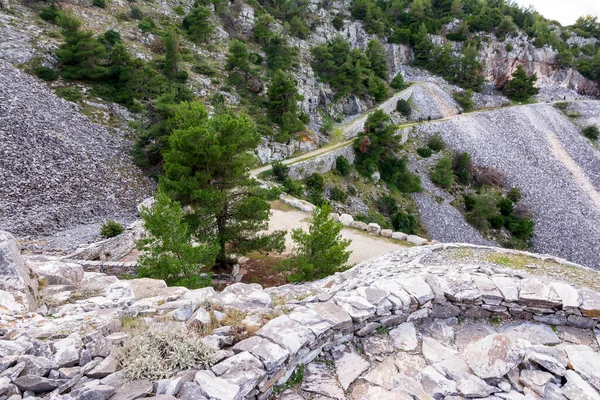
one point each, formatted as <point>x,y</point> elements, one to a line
<point>286,333</point>
<point>15,275</point>
<point>321,380</point>
<point>272,355</point>
<point>404,337</point>
<point>585,362</point>
<point>532,332</point>
<point>349,367</point>
<point>245,297</point>
<point>536,380</point>
<point>216,388</point>
<point>493,356</point>
<point>133,390</point>
<point>577,388</point>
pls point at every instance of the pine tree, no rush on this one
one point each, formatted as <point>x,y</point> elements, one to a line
<point>521,87</point>
<point>443,174</point>
<point>377,56</point>
<point>197,23</point>
<point>422,46</point>
<point>468,70</point>
<point>172,55</point>
<point>263,28</point>
<point>169,253</point>
<point>321,251</point>
<point>206,168</point>
<point>82,55</point>
<point>283,103</point>
<point>239,57</point>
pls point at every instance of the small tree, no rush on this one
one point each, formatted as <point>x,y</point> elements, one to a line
<point>403,107</point>
<point>169,254</point>
<point>197,25</point>
<point>406,223</point>
<point>591,132</point>
<point>377,56</point>
<point>342,165</point>
<point>436,143</point>
<point>461,165</point>
<point>398,82</point>
<point>283,103</point>
<point>239,57</point>
<point>521,87</point>
<point>315,186</point>
<point>443,174</point>
<point>172,55</point>
<point>321,251</point>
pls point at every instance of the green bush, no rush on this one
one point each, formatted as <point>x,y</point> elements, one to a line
<point>483,208</point>
<point>136,13</point>
<point>351,190</point>
<point>436,143</point>
<point>405,223</point>
<point>342,165</point>
<point>179,11</point>
<point>514,195</point>
<point>203,68</point>
<point>464,99</point>
<point>315,186</point>
<point>69,94</point>
<point>398,82</point>
<point>337,22</point>
<point>293,188</point>
<point>506,206</point>
<point>387,205</point>
<point>110,229</point>
<point>99,3</point>
<point>591,132</point>
<point>197,23</point>
<point>50,14</point>
<point>461,165</point>
<point>147,24</point>
<point>424,152</point>
<point>443,174</point>
<point>496,221</point>
<point>403,107</point>
<point>46,74</point>
<point>521,87</point>
<point>337,194</point>
<point>280,171</point>
<point>509,47</point>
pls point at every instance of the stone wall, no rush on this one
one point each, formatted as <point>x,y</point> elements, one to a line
<point>296,324</point>
<point>321,163</point>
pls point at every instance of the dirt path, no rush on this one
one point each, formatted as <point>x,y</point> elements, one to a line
<point>363,246</point>
<point>579,176</point>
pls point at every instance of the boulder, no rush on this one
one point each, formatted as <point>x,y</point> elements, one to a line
<point>585,362</point>
<point>216,388</point>
<point>15,275</point>
<point>244,297</point>
<point>399,236</point>
<point>417,240</point>
<point>349,367</point>
<point>319,379</point>
<point>133,390</point>
<point>346,219</point>
<point>56,271</point>
<point>374,228</point>
<point>493,356</point>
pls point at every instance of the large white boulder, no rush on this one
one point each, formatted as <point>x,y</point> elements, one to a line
<point>15,275</point>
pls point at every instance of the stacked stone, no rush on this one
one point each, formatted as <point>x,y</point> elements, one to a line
<point>422,306</point>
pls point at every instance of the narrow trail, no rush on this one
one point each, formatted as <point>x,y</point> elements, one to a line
<point>579,176</point>
<point>351,129</point>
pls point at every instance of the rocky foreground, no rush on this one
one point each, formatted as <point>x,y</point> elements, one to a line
<point>432,322</point>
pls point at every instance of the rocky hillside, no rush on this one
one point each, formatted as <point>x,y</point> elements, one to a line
<point>428,323</point>
<point>57,168</point>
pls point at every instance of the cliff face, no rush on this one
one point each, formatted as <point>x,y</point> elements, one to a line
<point>500,64</point>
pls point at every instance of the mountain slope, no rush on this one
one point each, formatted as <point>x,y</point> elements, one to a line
<point>57,169</point>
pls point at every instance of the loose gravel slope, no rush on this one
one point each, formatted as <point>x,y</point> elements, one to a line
<point>543,153</point>
<point>57,169</point>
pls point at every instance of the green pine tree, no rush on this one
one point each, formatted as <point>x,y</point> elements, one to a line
<point>321,251</point>
<point>206,167</point>
<point>283,103</point>
<point>197,23</point>
<point>443,174</point>
<point>170,253</point>
<point>521,87</point>
<point>172,55</point>
<point>422,46</point>
<point>377,56</point>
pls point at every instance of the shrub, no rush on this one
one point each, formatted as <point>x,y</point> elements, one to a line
<point>506,206</point>
<point>179,11</point>
<point>398,82</point>
<point>514,195</point>
<point>521,87</point>
<point>443,174</point>
<point>147,24</point>
<point>591,132</point>
<point>280,171</point>
<point>293,188</point>
<point>136,13</point>
<point>562,106</point>
<point>406,223</point>
<point>424,152</point>
<point>436,143</point>
<point>315,186</point>
<point>464,99</point>
<point>461,165</point>
<point>387,205</point>
<point>342,165</point>
<point>337,22</point>
<point>337,194</point>
<point>403,107</point>
<point>351,190</point>
<point>520,228</point>
<point>509,47</point>
<point>110,229</point>
<point>320,252</point>
<point>99,3</point>
<point>203,68</point>
<point>50,14</point>
<point>45,73</point>
<point>160,353</point>
<point>483,208</point>
<point>497,221</point>
<point>69,94</point>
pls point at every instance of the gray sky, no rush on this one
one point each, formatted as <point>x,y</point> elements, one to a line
<point>564,11</point>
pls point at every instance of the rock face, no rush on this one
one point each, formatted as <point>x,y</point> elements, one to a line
<point>320,164</point>
<point>411,324</point>
<point>15,276</point>
<point>58,169</point>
